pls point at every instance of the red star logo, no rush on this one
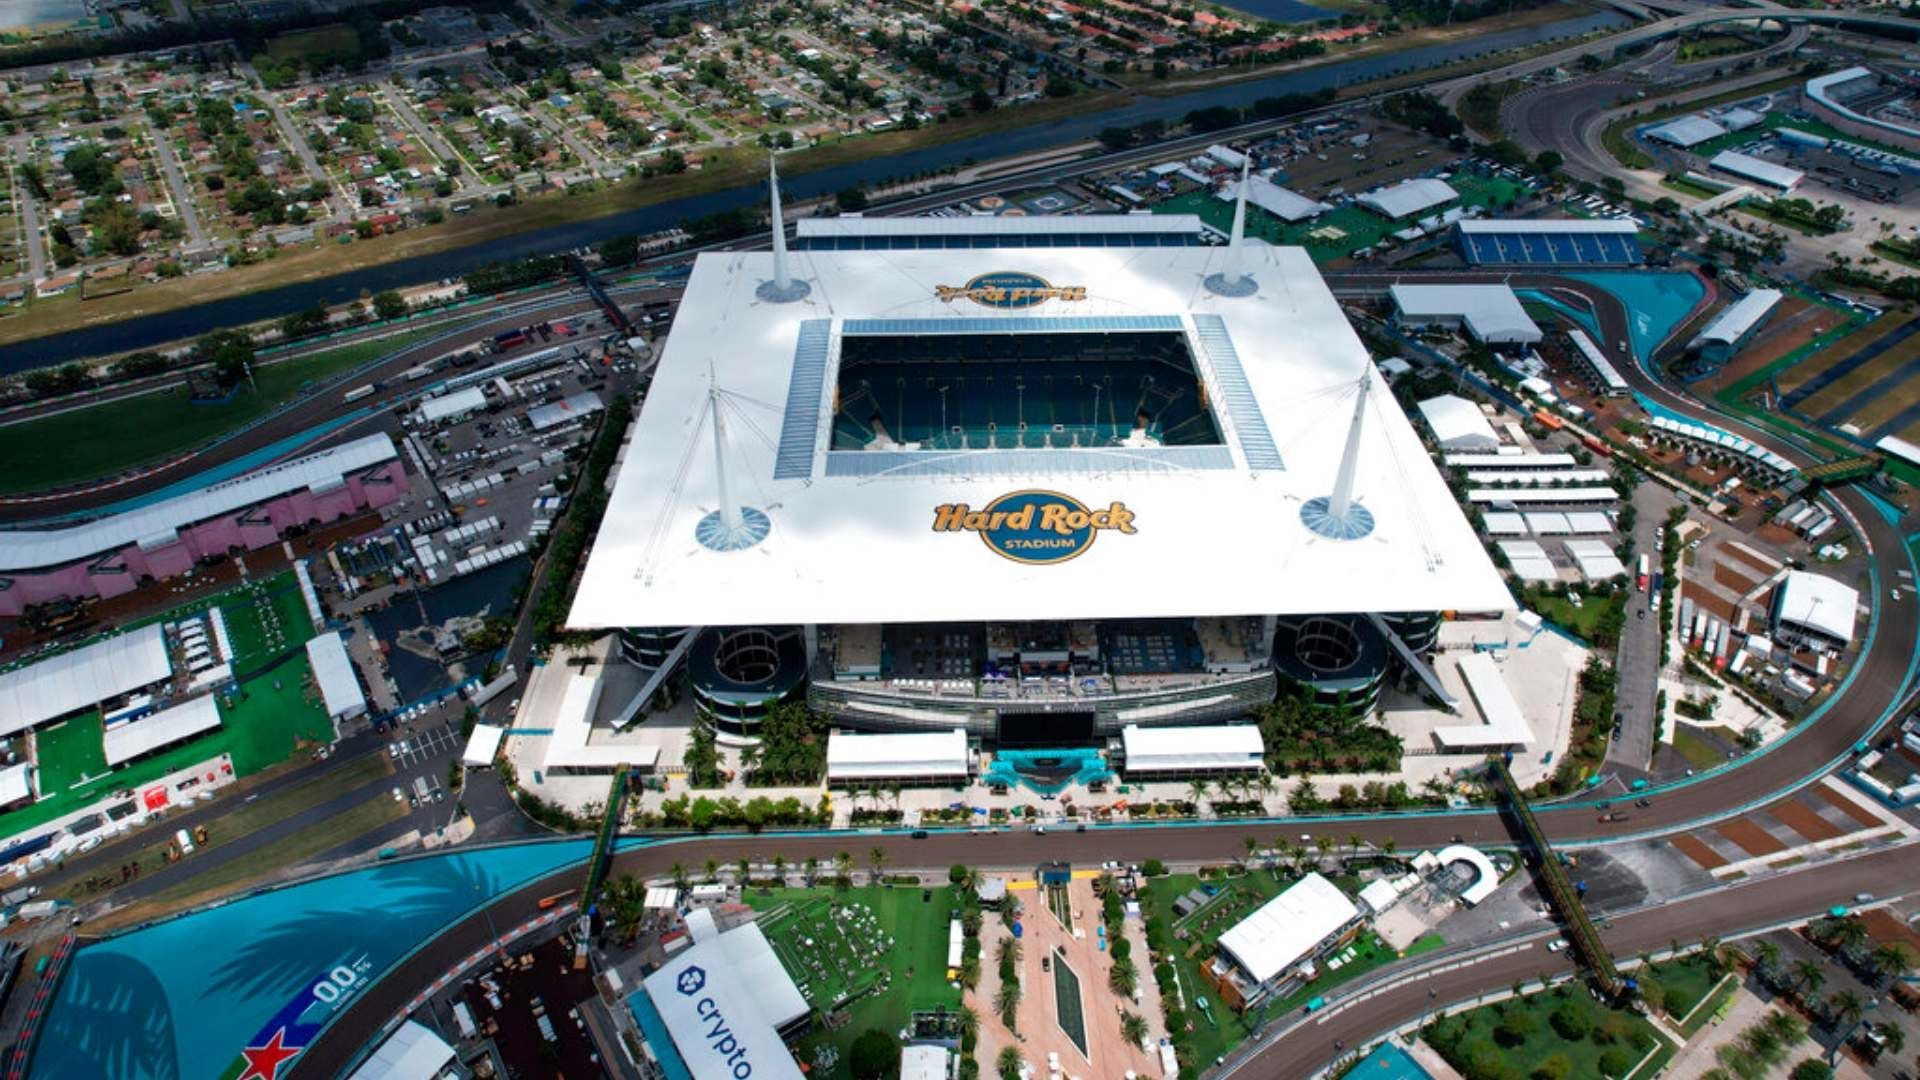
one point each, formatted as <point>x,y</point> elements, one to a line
<point>265,1061</point>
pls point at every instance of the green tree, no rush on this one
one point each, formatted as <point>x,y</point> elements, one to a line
<point>875,1054</point>
<point>388,305</point>
<point>1812,1069</point>
<point>1007,1064</point>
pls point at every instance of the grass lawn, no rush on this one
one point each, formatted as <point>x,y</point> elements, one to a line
<point>253,816</point>
<point>1584,620</point>
<point>1216,1029</point>
<point>1686,981</point>
<point>1517,1036</point>
<point>337,40</point>
<point>1689,187</point>
<point>1699,753</point>
<point>242,872</point>
<point>100,440</point>
<point>879,952</point>
<point>1362,228</point>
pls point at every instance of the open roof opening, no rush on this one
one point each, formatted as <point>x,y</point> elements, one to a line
<point>1032,391</point>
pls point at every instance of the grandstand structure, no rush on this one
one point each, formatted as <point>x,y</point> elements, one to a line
<point>1869,104</point>
<point>1037,494</point>
<point>1543,242</point>
<point>113,555</point>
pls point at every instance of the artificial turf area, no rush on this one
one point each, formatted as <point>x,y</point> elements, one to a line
<point>274,713</point>
<point>1360,227</point>
<point>879,953</point>
<point>1520,1036</point>
<point>1068,1009</point>
<point>1217,1030</point>
<point>101,440</point>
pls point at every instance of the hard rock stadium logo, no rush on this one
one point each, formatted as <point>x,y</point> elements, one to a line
<point>1038,527</point>
<point>1009,289</point>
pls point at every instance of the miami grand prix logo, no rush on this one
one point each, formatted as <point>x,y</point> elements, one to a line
<point>1035,527</point>
<point>691,981</point>
<point>1009,289</point>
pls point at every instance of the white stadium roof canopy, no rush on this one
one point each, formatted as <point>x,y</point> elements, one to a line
<point>124,742</point>
<point>1409,197</point>
<point>851,532</point>
<point>1282,203</point>
<point>1739,317</point>
<point>32,549</point>
<point>733,977</point>
<point>1686,131</point>
<point>1819,603</point>
<point>1289,927</point>
<point>819,228</point>
<point>1458,424</point>
<point>333,670</point>
<point>82,678</point>
<point>1492,313</point>
<point>1753,168</point>
<point>1187,749</point>
<point>458,403</point>
<point>919,753</point>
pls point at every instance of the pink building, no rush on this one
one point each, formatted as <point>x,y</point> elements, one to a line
<point>117,554</point>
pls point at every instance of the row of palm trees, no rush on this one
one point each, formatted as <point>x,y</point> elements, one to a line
<point>1844,1008</point>
<point>809,868</point>
<point>1295,854</point>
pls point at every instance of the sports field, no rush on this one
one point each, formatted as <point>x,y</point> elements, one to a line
<point>105,439</point>
<point>1359,227</point>
<point>878,952</point>
<point>1068,1008</point>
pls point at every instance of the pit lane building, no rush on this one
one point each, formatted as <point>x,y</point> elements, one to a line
<point>117,554</point>
<point>1038,493</point>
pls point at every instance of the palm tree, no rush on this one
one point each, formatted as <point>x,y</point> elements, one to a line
<point>1809,975</point>
<point>1265,782</point>
<point>1123,978</point>
<point>746,867</point>
<point>1891,960</point>
<point>1356,843</point>
<point>1389,846</point>
<point>679,872</point>
<point>1197,789</point>
<point>1851,933</point>
<point>970,972</point>
<point>843,862</point>
<point>1007,1003</point>
<point>1892,1038</point>
<point>1008,1063</point>
<point>1009,950</point>
<point>1252,845</point>
<point>969,1023</point>
<point>780,869</point>
<point>808,868</point>
<point>1767,956</point>
<point>713,869</point>
<point>1847,1007</point>
<point>1325,845</point>
<point>1132,1028</point>
<point>876,858</point>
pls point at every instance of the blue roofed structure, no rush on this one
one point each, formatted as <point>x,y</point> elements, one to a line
<point>1571,242</point>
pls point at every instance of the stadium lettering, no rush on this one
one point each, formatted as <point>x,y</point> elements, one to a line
<point>1009,289</point>
<point>1035,526</point>
<point>722,1039</point>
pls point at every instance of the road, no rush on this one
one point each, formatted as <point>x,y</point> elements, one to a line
<point>1724,912</point>
<point>30,236</point>
<point>290,131</point>
<point>1638,660</point>
<point>441,148</point>
<point>181,191</point>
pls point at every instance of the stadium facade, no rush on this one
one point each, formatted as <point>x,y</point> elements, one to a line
<point>1038,491</point>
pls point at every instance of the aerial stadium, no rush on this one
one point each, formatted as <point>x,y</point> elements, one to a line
<point>1039,478</point>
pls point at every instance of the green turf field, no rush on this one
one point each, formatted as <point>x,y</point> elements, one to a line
<point>883,948</point>
<point>1068,1008</point>
<point>260,726</point>
<point>1523,1036</point>
<point>100,440</point>
<point>1362,227</point>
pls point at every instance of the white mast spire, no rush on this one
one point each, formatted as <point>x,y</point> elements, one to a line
<point>1232,279</point>
<point>1337,516</point>
<point>729,513</point>
<point>1342,497</point>
<point>783,288</point>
